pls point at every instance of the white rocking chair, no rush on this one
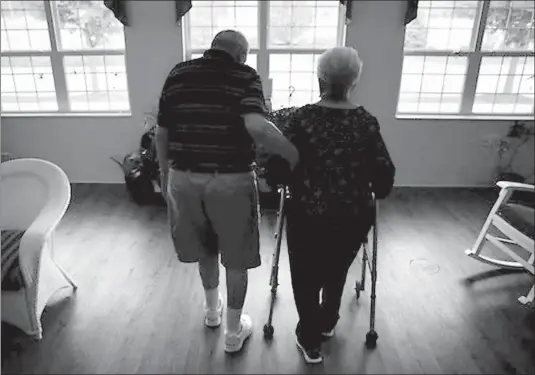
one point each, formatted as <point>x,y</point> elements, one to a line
<point>516,221</point>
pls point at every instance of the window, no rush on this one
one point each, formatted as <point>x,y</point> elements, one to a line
<point>469,58</point>
<point>285,38</point>
<point>62,56</point>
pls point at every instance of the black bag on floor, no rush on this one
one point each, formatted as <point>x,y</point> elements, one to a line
<point>141,172</point>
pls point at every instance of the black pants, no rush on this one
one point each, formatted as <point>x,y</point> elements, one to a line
<point>321,250</point>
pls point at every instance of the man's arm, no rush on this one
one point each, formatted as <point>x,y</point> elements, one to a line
<point>264,133</point>
<point>162,144</point>
<point>162,139</point>
<point>270,139</point>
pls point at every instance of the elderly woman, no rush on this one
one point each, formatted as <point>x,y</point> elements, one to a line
<point>343,159</point>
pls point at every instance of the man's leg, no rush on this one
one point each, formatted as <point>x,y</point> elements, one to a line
<point>237,282</point>
<point>209,271</point>
<point>193,236</point>
<point>232,207</point>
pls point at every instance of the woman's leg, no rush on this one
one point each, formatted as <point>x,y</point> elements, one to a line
<point>345,245</point>
<point>333,288</point>
<point>305,258</point>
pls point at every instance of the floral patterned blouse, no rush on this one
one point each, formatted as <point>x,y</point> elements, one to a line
<point>343,159</point>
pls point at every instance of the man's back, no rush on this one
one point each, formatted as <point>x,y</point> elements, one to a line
<point>201,106</point>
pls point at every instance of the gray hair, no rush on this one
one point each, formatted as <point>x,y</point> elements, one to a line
<point>339,69</point>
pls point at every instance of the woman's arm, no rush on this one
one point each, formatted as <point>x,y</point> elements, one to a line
<point>382,171</point>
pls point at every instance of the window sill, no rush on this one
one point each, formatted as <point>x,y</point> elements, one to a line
<point>464,117</point>
<point>66,114</point>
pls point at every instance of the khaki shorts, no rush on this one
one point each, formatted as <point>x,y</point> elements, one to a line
<point>215,213</point>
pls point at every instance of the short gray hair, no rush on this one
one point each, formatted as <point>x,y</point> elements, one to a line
<point>340,66</point>
<point>231,41</point>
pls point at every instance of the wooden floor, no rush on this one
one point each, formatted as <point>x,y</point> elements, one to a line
<point>138,310</point>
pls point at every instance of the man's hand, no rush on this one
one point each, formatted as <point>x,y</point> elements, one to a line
<point>293,158</point>
<point>278,171</point>
<point>162,143</point>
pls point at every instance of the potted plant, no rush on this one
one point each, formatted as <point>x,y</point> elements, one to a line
<point>140,167</point>
<point>519,134</point>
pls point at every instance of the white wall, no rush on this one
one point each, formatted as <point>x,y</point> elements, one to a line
<point>426,152</point>
<point>82,146</point>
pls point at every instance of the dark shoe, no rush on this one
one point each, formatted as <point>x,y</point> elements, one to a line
<point>311,356</point>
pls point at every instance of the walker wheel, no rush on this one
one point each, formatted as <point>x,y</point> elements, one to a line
<point>268,331</point>
<point>371,339</point>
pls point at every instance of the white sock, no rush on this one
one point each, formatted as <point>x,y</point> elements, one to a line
<point>212,298</point>
<point>233,320</point>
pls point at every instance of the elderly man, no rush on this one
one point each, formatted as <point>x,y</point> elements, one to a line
<point>211,116</point>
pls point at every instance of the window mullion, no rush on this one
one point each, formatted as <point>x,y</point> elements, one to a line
<point>56,60</point>
<point>263,57</point>
<point>474,59</point>
<point>186,38</point>
<point>341,36</point>
<point>470,84</point>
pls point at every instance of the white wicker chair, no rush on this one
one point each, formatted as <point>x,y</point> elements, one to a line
<point>34,196</point>
<point>516,221</point>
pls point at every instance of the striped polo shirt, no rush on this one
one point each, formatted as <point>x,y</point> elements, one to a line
<point>201,106</point>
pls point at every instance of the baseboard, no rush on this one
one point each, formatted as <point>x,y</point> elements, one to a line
<point>83,182</point>
<point>419,186</point>
<point>429,186</point>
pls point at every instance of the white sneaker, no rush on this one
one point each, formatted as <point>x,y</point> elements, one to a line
<point>328,334</point>
<point>212,318</point>
<point>234,341</point>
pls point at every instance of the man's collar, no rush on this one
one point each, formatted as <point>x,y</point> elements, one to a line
<point>218,54</point>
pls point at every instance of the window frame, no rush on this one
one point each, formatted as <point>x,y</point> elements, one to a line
<point>263,52</point>
<point>58,69</point>
<point>474,57</point>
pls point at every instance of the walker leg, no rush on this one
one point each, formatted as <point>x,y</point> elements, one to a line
<point>364,264</point>
<point>372,336</point>
<point>268,327</point>
<point>360,285</point>
<point>274,279</point>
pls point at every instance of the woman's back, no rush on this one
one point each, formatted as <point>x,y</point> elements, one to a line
<point>343,159</point>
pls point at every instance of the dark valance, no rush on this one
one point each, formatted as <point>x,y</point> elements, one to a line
<point>118,7</point>
<point>412,11</point>
<point>349,9</point>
